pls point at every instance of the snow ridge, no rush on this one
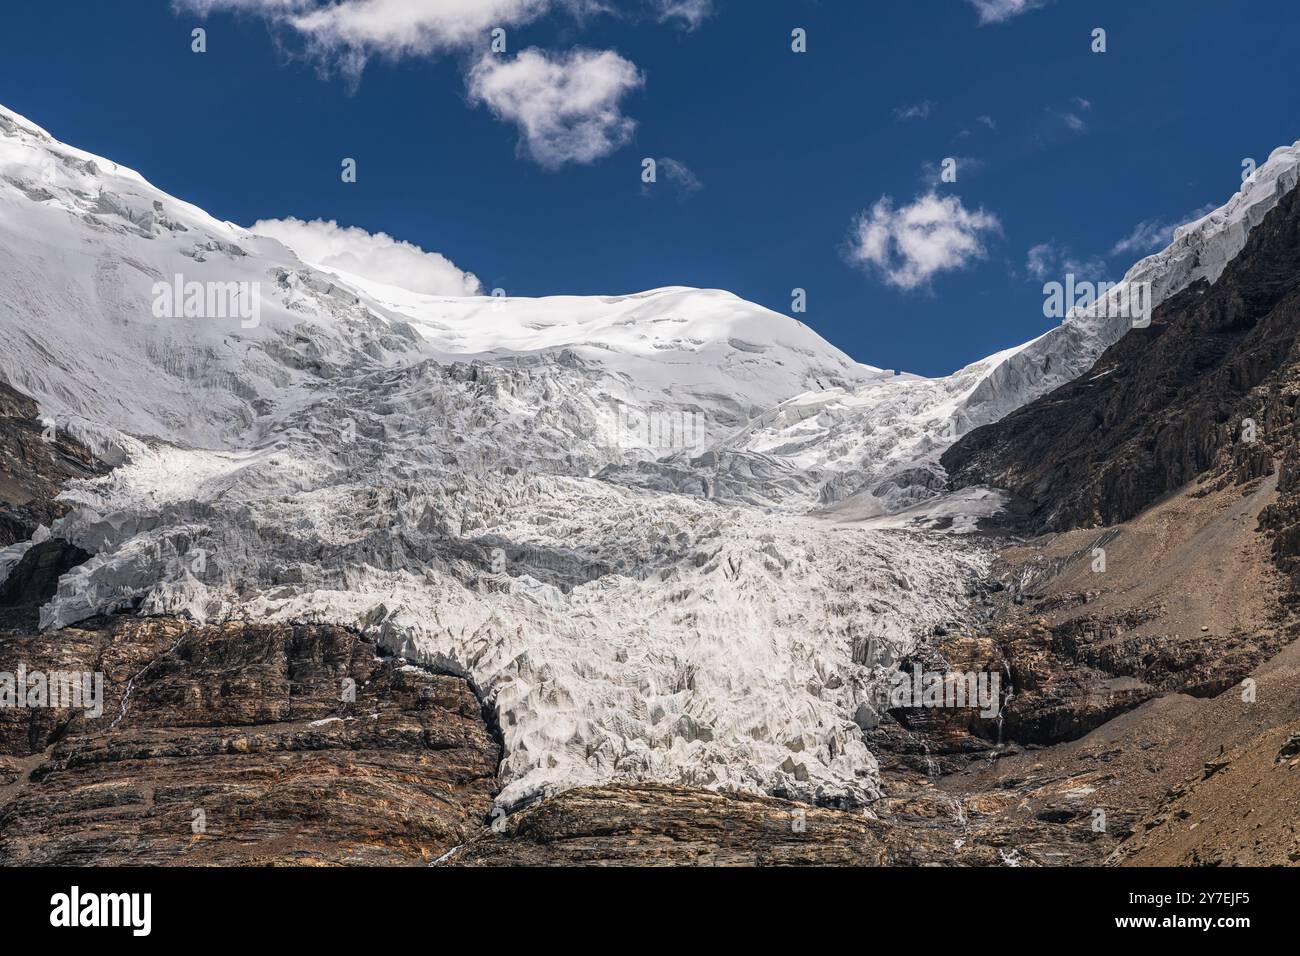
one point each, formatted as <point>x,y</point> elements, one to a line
<point>873,450</point>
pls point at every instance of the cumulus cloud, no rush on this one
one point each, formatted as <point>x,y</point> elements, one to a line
<point>996,11</point>
<point>376,256</point>
<point>567,106</point>
<point>1152,235</point>
<point>346,33</point>
<point>909,245</point>
<point>688,13</point>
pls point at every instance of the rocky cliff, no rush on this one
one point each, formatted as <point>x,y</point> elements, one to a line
<point>1212,384</point>
<point>240,745</point>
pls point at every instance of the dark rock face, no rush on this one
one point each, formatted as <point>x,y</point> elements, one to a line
<point>239,744</point>
<point>1281,520</point>
<point>1063,681</point>
<point>652,825</point>
<point>1165,404</point>
<point>32,469</point>
<point>34,581</point>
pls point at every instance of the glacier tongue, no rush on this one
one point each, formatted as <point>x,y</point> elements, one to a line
<point>619,634</point>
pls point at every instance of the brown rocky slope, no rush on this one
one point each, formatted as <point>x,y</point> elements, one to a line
<point>239,745</point>
<point>1174,460</point>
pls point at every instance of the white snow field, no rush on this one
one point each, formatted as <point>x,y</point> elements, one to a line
<point>600,510</point>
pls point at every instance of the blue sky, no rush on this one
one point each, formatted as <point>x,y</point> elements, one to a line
<point>1068,160</point>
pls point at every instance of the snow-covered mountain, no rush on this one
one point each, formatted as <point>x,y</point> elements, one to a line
<point>422,468</point>
<point>91,240</point>
<point>596,508</point>
<point>874,449</point>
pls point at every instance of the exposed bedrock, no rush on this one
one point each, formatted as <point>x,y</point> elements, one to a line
<point>237,744</point>
<point>655,825</point>
<point>1212,384</point>
<point>36,457</point>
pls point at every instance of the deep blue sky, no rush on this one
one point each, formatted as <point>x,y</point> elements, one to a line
<point>789,148</point>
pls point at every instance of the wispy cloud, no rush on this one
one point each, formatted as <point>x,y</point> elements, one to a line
<point>1051,260</point>
<point>678,175</point>
<point>686,13</point>
<point>908,245</point>
<point>1040,259</point>
<point>919,111</point>
<point>996,11</point>
<point>932,171</point>
<point>567,106</point>
<point>1152,235</point>
<point>1069,119</point>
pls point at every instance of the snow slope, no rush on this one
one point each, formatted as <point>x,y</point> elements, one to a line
<point>90,239</point>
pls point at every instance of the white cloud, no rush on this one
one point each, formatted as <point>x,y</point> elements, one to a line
<point>919,111</point>
<point>1040,260</point>
<point>909,245</point>
<point>567,106</point>
<point>680,175</point>
<point>1050,260</point>
<point>987,121</point>
<point>996,11</point>
<point>690,13</point>
<point>1071,121</point>
<point>1153,235</point>
<point>376,256</point>
<point>346,33</point>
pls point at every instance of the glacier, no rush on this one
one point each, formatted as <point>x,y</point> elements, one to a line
<point>460,477</point>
